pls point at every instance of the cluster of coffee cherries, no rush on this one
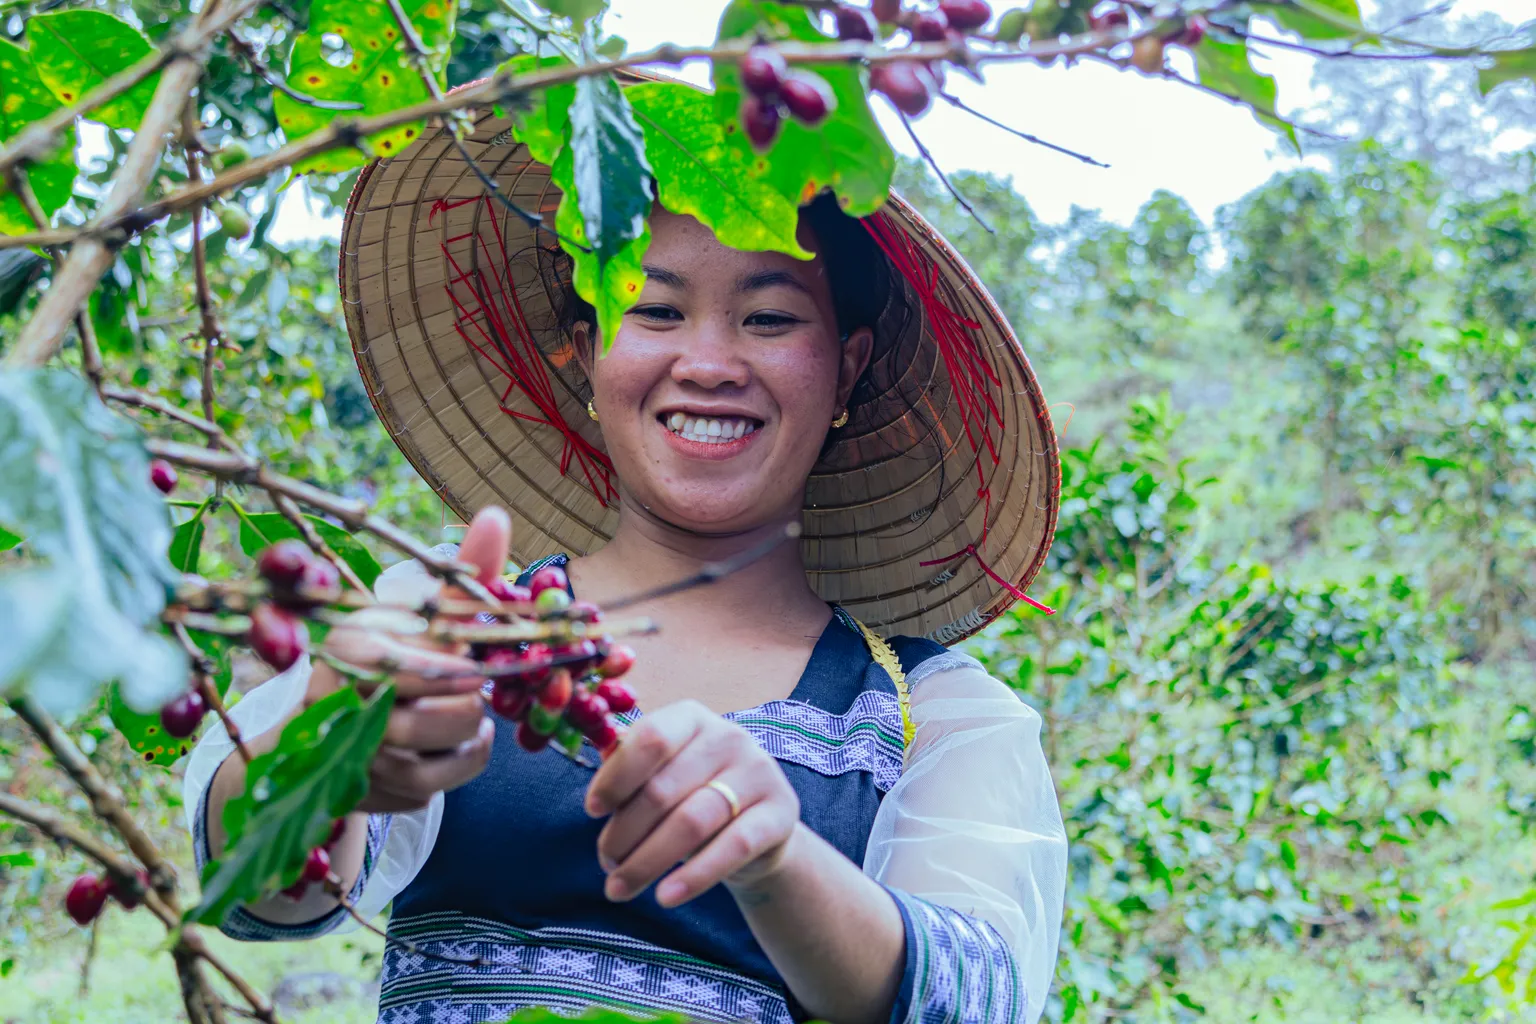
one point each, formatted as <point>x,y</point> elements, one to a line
<point>772,89</point>
<point>88,894</point>
<point>558,693</point>
<point>317,866</point>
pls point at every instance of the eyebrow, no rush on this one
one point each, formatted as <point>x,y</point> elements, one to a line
<point>664,276</point>
<point>771,279</point>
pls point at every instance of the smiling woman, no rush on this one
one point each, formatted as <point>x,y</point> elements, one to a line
<point>807,819</point>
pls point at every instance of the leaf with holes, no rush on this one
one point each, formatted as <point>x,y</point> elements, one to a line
<point>541,120</point>
<point>75,51</point>
<point>260,530</point>
<point>1314,19</point>
<point>24,99</point>
<point>145,733</point>
<point>187,541</point>
<point>1225,67</point>
<point>703,172</point>
<point>612,286</point>
<point>847,152</point>
<point>317,772</point>
<point>77,487</point>
<point>353,52</point>
<point>1507,66</point>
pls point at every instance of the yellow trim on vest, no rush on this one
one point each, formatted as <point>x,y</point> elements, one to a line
<point>886,659</point>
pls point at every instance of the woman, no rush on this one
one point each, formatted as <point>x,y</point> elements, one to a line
<point>806,821</point>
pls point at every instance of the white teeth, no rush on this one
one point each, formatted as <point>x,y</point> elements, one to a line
<point>707,430</point>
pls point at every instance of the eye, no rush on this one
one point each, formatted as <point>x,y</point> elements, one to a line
<point>656,311</point>
<point>772,321</point>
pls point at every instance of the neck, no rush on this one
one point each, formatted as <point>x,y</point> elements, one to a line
<point>646,552</point>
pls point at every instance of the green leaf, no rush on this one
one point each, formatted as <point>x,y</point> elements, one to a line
<point>1315,19</point>
<point>145,734</point>
<point>380,74</point>
<point>24,99</point>
<point>8,539</point>
<point>1186,1001</point>
<point>187,541</point>
<point>541,124</point>
<point>1288,854</point>
<point>847,152</point>
<point>611,286</point>
<point>703,172</point>
<point>18,269</point>
<point>77,487</point>
<point>1507,66</point>
<point>579,11</point>
<point>317,773</point>
<point>260,530</point>
<point>609,169</point>
<point>1225,67</point>
<point>75,51</point>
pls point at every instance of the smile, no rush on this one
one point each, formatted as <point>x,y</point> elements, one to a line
<point>710,429</point>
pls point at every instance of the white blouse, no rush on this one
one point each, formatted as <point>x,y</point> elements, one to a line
<point>972,823</point>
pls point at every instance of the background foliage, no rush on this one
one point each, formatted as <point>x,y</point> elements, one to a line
<point>1288,691</point>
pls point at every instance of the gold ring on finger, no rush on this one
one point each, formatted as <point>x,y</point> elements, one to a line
<point>727,792</point>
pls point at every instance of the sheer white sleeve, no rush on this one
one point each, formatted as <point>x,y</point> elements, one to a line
<point>398,844</point>
<point>970,842</point>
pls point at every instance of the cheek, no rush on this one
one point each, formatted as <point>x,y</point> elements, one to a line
<point>624,376</point>
<point>802,379</point>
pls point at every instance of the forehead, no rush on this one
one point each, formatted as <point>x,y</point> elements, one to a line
<point>681,244</point>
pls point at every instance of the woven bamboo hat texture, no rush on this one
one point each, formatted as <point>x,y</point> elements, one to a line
<point>929,514</point>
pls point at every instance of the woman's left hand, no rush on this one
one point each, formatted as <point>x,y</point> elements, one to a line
<point>657,787</point>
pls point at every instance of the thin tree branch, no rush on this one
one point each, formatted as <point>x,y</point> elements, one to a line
<point>906,123</point>
<point>317,544</point>
<point>59,828</point>
<point>247,52</point>
<point>193,941</point>
<point>143,400</point>
<point>106,799</point>
<point>956,101</point>
<point>203,669</point>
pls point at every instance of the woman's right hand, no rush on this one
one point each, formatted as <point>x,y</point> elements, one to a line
<point>439,736</point>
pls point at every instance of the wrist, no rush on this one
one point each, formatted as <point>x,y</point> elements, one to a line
<point>758,881</point>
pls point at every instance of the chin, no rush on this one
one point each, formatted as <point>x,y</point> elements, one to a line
<point>708,510</point>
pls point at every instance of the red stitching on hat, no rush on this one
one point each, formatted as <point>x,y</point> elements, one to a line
<point>494,311</point>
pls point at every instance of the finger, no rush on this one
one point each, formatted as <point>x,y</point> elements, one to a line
<point>486,545</point>
<point>435,723</point>
<point>710,752</point>
<point>752,835</point>
<point>652,742</point>
<point>685,830</point>
<point>411,775</point>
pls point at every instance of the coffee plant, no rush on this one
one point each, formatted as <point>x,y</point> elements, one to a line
<point>197,121</point>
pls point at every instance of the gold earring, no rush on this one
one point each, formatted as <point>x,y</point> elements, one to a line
<point>591,412</point>
<point>841,421</point>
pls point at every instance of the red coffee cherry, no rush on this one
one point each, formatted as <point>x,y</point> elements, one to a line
<point>87,895</point>
<point>1194,31</point>
<point>584,611</point>
<point>128,897</point>
<point>556,693</point>
<point>184,714</point>
<point>319,583</point>
<point>551,577</point>
<point>530,739</point>
<point>510,702</point>
<point>282,564</point>
<point>886,12</point>
<point>807,98</point>
<point>317,866</point>
<point>163,475</point>
<point>586,710</point>
<point>603,736</point>
<point>760,120</point>
<point>277,636</point>
<point>1115,17</point>
<point>928,27</point>
<point>966,15</point>
<point>620,698</point>
<point>904,84</point>
<point>854,23</point>
<point>763,71</point>
<point>619,660</point>
<point>510,593</point>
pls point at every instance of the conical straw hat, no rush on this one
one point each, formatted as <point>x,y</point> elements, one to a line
<point>929,514</point>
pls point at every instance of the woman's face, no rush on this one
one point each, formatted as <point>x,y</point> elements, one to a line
<point>717,395</point>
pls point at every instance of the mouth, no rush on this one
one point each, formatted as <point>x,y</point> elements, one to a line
<point>709,430</point>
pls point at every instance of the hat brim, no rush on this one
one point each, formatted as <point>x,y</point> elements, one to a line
<point>931,507</point>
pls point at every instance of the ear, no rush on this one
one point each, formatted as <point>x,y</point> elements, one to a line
<point>581,342</point>
<point>855,357</point>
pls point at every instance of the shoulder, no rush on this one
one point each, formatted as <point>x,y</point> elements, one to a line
<point>912,651</point>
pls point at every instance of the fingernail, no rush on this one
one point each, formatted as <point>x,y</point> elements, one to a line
<point>616,890</point>
<point>606,863</point>
<point>669,892</point>
<point>593,806</point>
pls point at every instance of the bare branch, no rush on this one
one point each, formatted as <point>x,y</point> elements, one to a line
<point>203,671</point>
<point>55,825</point>
<point>957,102</point>
<point>192,940</point>
<point>316,543</point>
<point>906,122</point>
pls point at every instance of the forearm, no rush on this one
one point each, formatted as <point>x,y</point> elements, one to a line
<point>833,934</point>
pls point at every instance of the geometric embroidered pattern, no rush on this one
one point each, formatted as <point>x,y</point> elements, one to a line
<point>963,971</point>
<point>867,737</point>
<point>565,969</point>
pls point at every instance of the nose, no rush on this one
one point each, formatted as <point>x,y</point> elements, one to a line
<point>710,359</point>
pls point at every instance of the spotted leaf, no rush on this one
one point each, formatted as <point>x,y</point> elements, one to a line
<point>75,51</point>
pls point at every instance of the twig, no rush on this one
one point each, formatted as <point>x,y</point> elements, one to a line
<point>248,52</point>
<point>144,400</point>
<point>956,101</point>
<point>192,940</point>
<point>203,669</point>
<point>105,798</point>
<point>502,86</point>
<point>242,468</point>
<point>90,956</point>
<point>709,572</point>
<point>906,123</point>
<point>1351,53</point>
<point>56,826</point>
<point>89,257</point>
<point>208,322</point>
<point>317,544</point>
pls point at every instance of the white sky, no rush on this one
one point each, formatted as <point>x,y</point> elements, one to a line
<point>1153,134</point>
